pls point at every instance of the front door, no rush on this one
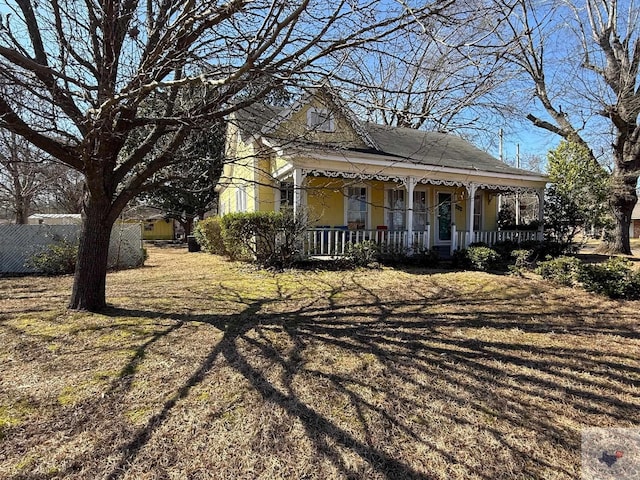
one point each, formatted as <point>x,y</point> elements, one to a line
<point>443,218</point>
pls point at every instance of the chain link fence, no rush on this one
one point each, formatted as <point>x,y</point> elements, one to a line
<point>18,243</point>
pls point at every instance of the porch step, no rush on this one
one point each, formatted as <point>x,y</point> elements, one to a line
<point>443,250</point>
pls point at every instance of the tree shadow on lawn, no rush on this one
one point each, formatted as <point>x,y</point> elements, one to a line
<point>521,386</point>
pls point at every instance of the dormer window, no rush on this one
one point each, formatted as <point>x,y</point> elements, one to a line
<point>320,120</point>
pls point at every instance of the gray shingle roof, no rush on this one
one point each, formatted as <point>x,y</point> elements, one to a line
<point>253,118</point>
<point>438,149</point>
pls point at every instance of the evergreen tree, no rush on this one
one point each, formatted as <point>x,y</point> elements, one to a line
<point>187,189</point>
<point>577,198</point>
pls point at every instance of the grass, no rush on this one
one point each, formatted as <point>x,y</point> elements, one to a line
<point>208,369</point>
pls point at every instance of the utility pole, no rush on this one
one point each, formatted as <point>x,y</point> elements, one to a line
<point>517,194</point>
<point>500,155</point>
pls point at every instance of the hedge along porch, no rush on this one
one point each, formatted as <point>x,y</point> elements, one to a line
<point>357,181</point>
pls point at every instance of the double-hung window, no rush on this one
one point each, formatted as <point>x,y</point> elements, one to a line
<point>420,219</point>
<point>395,211</point>
<point>320,120</point>
<point>357,207</point>
<point>477,212</point>
<point>241,199</point>
<point>286,195</point>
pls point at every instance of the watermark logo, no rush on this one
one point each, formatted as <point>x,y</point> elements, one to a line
<point>611,454</point>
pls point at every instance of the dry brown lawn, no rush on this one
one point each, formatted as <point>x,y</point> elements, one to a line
<point>209,369</point>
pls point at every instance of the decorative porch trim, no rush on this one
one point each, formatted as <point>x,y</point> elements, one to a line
<point>425,181</point>
<point>507,188</point>
<point>447,183</point>
<point>409,183</point>
<point>350,175</point>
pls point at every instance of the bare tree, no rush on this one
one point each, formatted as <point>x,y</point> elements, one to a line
<point>440,75</point>
<point>66,193</point>
<point>581,61</point>
<point>24,175</point>
<point>87,69</point>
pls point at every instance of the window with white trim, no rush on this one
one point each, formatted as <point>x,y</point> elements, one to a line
<point>241,199</point>
<point>286,194</point>
<point>357,208</point>
<point>395,209</point>
<point>320,120</point>
<point>420,219</point>
<point>477,212</point>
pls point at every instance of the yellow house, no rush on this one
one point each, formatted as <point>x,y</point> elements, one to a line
<point>356,180</point>
<point>155,225</point>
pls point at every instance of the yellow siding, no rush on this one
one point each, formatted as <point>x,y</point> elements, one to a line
<point>265,186</point>
<point>278,163</point>
<point>239,171</point>
<point>490,213</point>
<point>155,229</point>
<point>343,135</point>
<point>460,208</point>
<point>159,230</point>
<point>325,201</point>
<point>376,197</point>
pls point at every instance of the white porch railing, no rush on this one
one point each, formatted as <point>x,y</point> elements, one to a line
<point>334,242</point>
<point>462,238</point>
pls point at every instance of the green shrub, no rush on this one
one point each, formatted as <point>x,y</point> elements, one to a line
<point>505,247</point>
<point>548,248</point>
<point>271,239</point>
<point>539,249</point>
<point>208,233</point>
<point>483,258</point>
<point>426,258</point>
<point>56,259</point>
<point>460,259</point>
<point>561,271</point>
<point>521,261</point>
<point>363,254</point>
<point>393,254</point>
<point>614,278</point>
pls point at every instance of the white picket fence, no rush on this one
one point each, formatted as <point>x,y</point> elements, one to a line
<point>18,243</point>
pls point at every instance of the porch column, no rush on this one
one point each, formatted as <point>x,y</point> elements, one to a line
<point>540,193</point>
<point>410,183</point>
<point>298,192</point>
<point>471,190</point>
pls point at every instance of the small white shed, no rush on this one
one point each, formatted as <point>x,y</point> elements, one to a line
<point>55,219</point>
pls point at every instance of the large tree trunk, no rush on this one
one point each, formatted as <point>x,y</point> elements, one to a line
<point>91,268</point>
<point>21,201</point>
<point>623,200</point>
<point>22,210</point>
<point>188,225</point>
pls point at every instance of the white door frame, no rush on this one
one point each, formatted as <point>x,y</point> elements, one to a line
<point>437,239</point>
